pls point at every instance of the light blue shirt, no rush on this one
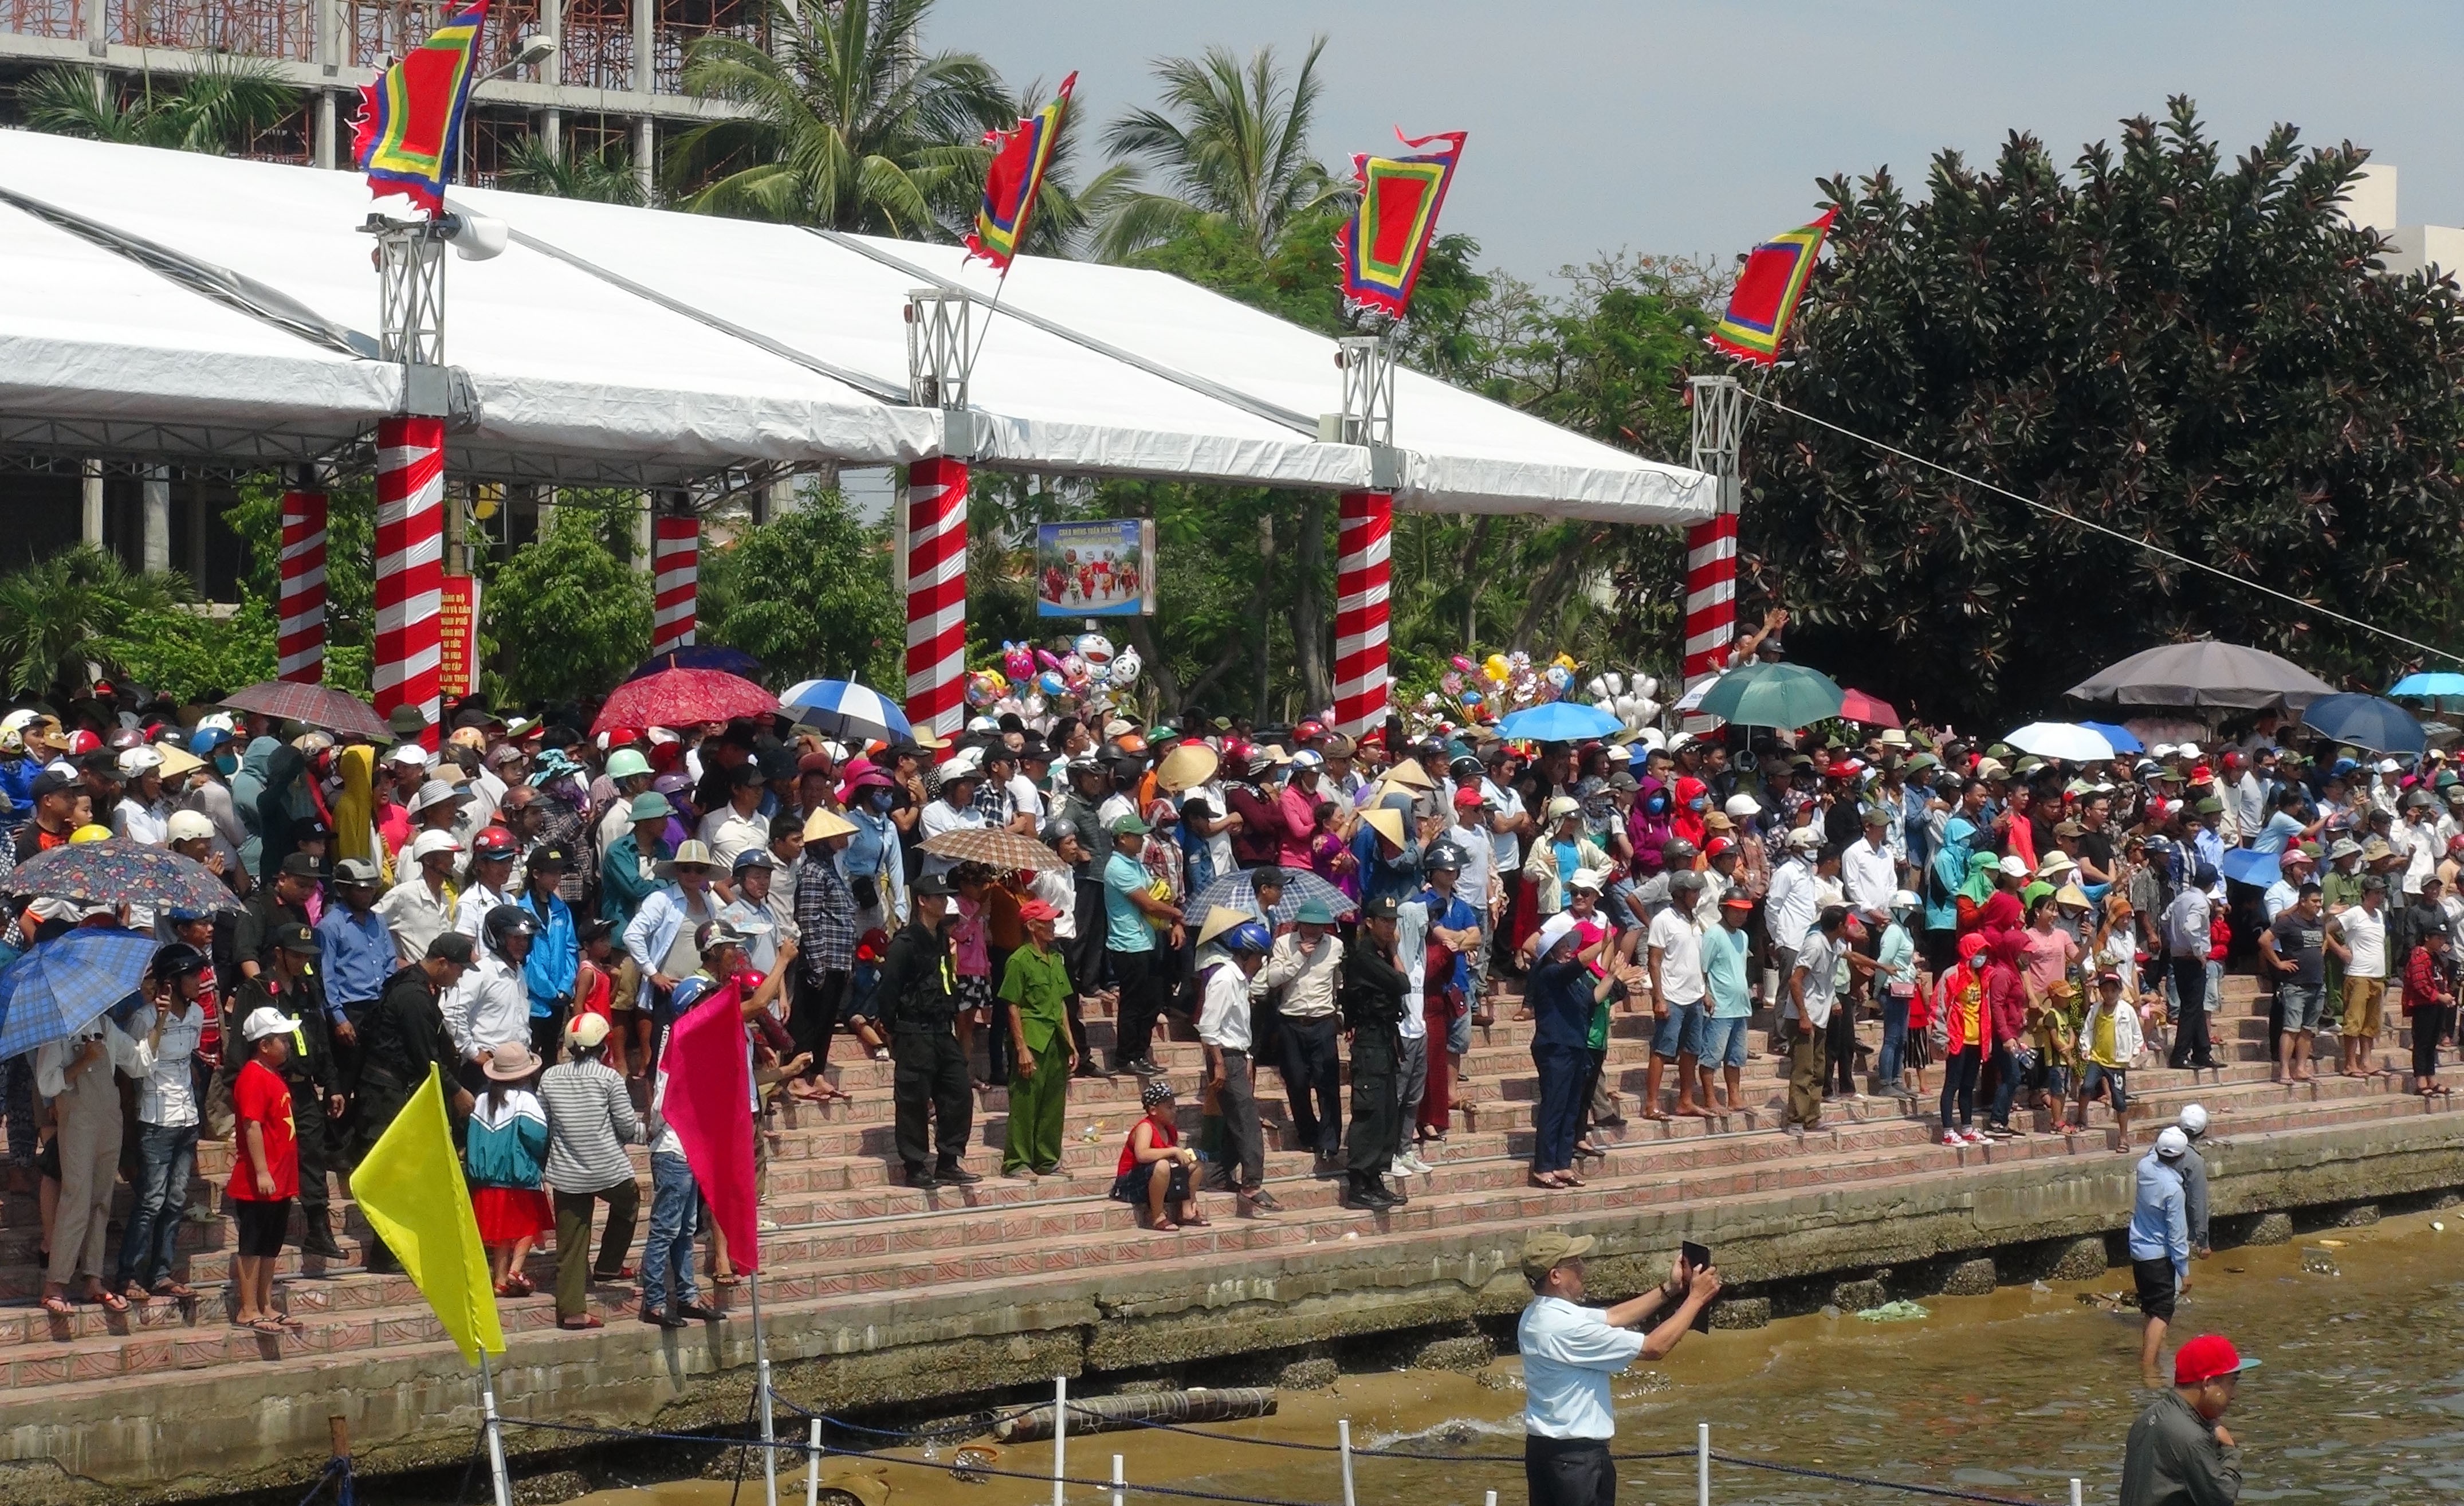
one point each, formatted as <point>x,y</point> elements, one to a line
<point>1125,924</point>
<point>1569,1352</point>
<point>2160,1220</point>
<point>1724,971</point>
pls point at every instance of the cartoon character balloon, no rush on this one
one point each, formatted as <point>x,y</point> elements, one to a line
<point>1124,668</point>
<point>1018,661</point>
<point>1094,648</point>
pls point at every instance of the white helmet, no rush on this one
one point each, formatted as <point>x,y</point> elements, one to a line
<point>2194,1121</point>
<point>1742,808</point>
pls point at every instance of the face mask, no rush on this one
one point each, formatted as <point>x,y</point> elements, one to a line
<point>225,764</point>
<point>877,800</point>
<point>1656,803</point>
<point>1698,805</point>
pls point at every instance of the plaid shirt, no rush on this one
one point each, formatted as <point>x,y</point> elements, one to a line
<point>991,798</point>
<point>825,917</point>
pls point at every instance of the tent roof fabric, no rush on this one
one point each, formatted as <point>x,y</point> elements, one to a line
<point>646,347</point>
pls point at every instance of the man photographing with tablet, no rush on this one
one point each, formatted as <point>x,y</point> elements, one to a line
<point>1569,1352</point>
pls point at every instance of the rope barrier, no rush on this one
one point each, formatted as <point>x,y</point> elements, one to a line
<point>1359,1453</point>
<point>336,1474</point>
<point>1941,1492</point>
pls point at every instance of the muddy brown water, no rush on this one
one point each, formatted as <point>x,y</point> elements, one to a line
<point>2361,1401</point>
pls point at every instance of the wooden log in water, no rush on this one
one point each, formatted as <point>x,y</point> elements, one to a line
<point>1111,1413</point>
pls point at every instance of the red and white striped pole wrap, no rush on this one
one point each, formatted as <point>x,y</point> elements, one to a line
<point>675,579</point>
<point>937,594</point>
<point>1363,574</point>
<point>300,642</point>
<point>411,566</point>
<point>1710,601</point>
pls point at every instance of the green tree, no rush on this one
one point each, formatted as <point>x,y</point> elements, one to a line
<point>808,595</point>
<point>194,655</point>
<point>605,176</point>
<point>578,616</point>
<point>2202,356</point>
<point>55,615</point>
<point>844,121</point>
<point>220,110</point>
<point>1229,145</point>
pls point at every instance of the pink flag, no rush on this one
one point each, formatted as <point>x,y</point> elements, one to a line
<point>708,1103</point>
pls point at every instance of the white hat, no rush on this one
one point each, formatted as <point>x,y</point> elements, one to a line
<point>1586,878</point>
<point>2195,1119</point>
<point>1619,753</point>
<point>1680,739</point>
<point>965,763</point>
<point>139,759</point>
<point>1741,807</point>
<point>1652,739</point>
<point>2386,766</point>
<point>1903,899</point>
<point>217,722</point>
<point>409,755</point>
<point>430,843</point>
<point>1561,807</point>
<point>2187,749</point>
<point>271,1021</point>
<point>1805,837</point>
<point>2171,1144</point>
<point>436,792</point>
<point>2013,866</point>
<point>1554,931</point>
<point>186,825</point>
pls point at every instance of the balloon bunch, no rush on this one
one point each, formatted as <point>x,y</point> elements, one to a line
<point>1504,683</point>
<point>1629,696</point>
<point>1033,680</point>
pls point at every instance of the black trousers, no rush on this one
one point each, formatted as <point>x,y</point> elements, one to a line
<point>2191,1046</point>
<point>2429,1021</point>
<point>1244,1162</point>
<point>317,1158</point>
<point>814,1013</point>
<point>1375,1108</point>
<point>1840,1035</point>
<point>1141,976</point>
<point>1569,1472</point>
<point>1313,1081</point>
<point>930,1084</point>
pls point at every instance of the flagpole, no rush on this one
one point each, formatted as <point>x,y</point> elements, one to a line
<point>761,1379</point>
<point>494,1432</point>
<point>1000,286</point>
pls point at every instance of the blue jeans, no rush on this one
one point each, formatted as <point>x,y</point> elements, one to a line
<point>673,1195</point>
<point>164,1157</point>
<point>1720,1042</point>
<point>2006,1063</point>
<point>1679,1031</point>
<point>1894,1034</point>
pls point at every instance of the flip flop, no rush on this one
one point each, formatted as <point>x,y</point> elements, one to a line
<point>270,1328</point>
<point>174,1292</point>
<point>109,1301</point>
<point>58,1307</point>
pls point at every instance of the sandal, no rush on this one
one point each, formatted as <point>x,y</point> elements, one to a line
<point>109,1301</point>
<point>270,1328</point>
<point>1167,1227</point>
<point>1197,1221</point>
<point>289,1323</point>
<point>174,1292</point>
<point>58,1307</point>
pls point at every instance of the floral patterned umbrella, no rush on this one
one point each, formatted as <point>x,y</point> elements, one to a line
<point>118,870</point>
<point>682,697</point>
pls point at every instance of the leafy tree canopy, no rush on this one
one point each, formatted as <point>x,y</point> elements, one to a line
<point>808,595</point>
<point>576,616</point>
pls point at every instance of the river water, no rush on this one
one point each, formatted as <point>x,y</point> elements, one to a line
<point>2361,1401</point>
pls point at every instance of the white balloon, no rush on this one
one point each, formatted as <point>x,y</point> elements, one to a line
<point>1646,685</point>
<point>1125,667</point>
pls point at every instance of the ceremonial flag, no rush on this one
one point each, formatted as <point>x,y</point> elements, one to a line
<point>409,124</point>
<point>1021,157</point>
<point>708,1103</point>
<point>1387,238</point>
<point>1768,290</point>
<point>410,1187</point>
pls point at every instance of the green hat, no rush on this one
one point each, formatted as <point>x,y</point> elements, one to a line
<point>1877,816</point>
<point>1314,912</point>
<point>1923,760</point>
<point>648,807</point>
<point>2208,806</point>
<point>1130,826</point>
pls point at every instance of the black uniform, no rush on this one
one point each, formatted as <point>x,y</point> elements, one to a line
<point>252,935</point>
<point>314,1079</point>
<point>402,1036</point>
<point>1372,999</point>
<point>917,1003</point>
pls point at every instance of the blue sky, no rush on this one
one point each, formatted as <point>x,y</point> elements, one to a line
<point>1698,129</point>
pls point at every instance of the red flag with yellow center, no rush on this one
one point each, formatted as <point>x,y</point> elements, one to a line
<point>1021,158</point>
<point>410,119</point>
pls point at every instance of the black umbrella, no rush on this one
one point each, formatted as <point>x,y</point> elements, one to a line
<point>2204,674</point>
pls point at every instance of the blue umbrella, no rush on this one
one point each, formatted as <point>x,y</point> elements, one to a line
<point>2247,865</point>
<point>846,709</point>
<point>2115,734</point>
<point>1238,892</point>
<point>2429,684</point>
<point>1560,722</point>
<point>2381,726</point>
<point>54,990</point>
<point>701,656</point>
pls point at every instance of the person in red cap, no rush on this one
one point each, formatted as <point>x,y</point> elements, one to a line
<point>2179,1452</point>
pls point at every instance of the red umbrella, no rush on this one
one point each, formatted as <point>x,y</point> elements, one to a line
<point>681,697</point>
<point>1857,706</point>
<point>317,705</point>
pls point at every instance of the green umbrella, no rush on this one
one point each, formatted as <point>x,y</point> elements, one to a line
<point>1772,696</point>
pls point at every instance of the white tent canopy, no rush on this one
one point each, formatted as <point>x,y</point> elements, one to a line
<point>641,346</point>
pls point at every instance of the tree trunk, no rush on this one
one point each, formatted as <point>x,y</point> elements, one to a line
<point>1310,626</point>
<point>1466,571</point>
<point>1546,592</point>
<point>1265,585</point>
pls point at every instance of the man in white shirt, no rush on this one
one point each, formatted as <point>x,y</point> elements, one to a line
<point>491,870</point>
<point>1224,1028</point>
<point>1787,906</point>
<point>1805,1014</point>
<point>1674,965</point>
<point>1305,965</point>
<point>2416,834</point>
<point>953,807</point>
<point>738,826</point>
<point>1570,1351</point>
<point>419,907</point>
<point>2364,930</point>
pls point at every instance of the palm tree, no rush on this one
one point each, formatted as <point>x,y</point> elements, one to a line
<point>1231,145</point>
<point>53,612</point>
<point>848,122</point>
<point>605,176</point>
<point>218,111</point>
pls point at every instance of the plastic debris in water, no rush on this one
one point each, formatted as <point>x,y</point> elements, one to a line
<point>2319,1261</point>
<point>2038,1288</point>
<point>1829,1310</point>
<point>969,1463</point>
<point>2437,1228</point>
<point>1900,1311</point>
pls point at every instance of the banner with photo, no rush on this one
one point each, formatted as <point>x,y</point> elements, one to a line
<point>1101,569</point>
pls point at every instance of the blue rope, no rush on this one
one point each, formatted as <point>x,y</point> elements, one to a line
<point>337,1474</point>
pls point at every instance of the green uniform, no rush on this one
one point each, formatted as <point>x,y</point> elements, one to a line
<point>1036,985</point>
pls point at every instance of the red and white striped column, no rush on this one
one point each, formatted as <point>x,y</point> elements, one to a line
<point>1363,575</point>
<point>300,642</point>
<point>1710,601</point>
<point>411,566</point>
<point>675,576</point>
<point>937,594</point>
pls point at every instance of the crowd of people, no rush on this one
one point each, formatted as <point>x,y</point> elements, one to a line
<point>529,908</point>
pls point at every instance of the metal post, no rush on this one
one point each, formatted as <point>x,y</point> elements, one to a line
<point>156,539</point>
<point>2077,1495</point>
<point>813,1466</point>
<point>1711,545</point>
<point>1492,1498</point>
<point>1702,1465</point>
<point>1343,1436</point>
<point>1060,1432</point>
<point>1118,1481</point>
<point>494,1432</point>
<point>90,487</point>
<point>761,1379</point>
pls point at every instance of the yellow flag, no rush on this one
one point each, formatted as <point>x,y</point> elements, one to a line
<point>411,1191</point>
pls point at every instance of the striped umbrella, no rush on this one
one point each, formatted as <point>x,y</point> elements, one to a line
<point>62,986</point>
<point>1235,892</point>
<point>846,709</point>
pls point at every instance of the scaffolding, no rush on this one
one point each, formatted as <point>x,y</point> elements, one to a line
<point>276,29</point>
<point>61,20</point>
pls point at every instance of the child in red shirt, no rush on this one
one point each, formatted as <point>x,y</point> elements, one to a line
<point>265,1170</point>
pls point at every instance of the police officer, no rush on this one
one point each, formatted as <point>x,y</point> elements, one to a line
<point>915,1002</point>
<point>1372,1000</point>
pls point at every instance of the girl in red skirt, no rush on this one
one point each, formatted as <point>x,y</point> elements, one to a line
<point>506,1157</point>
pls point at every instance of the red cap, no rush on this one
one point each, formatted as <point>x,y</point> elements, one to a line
<point>2202,774</point>
<point>1469,795</point>
<point>623,737</point>
<point>1717,846</point>
<point>2207,1357</point>
<point>1841,770</point>
<point>1038,909</point>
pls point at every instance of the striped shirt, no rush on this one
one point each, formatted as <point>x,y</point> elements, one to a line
<point>590,1120</point>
